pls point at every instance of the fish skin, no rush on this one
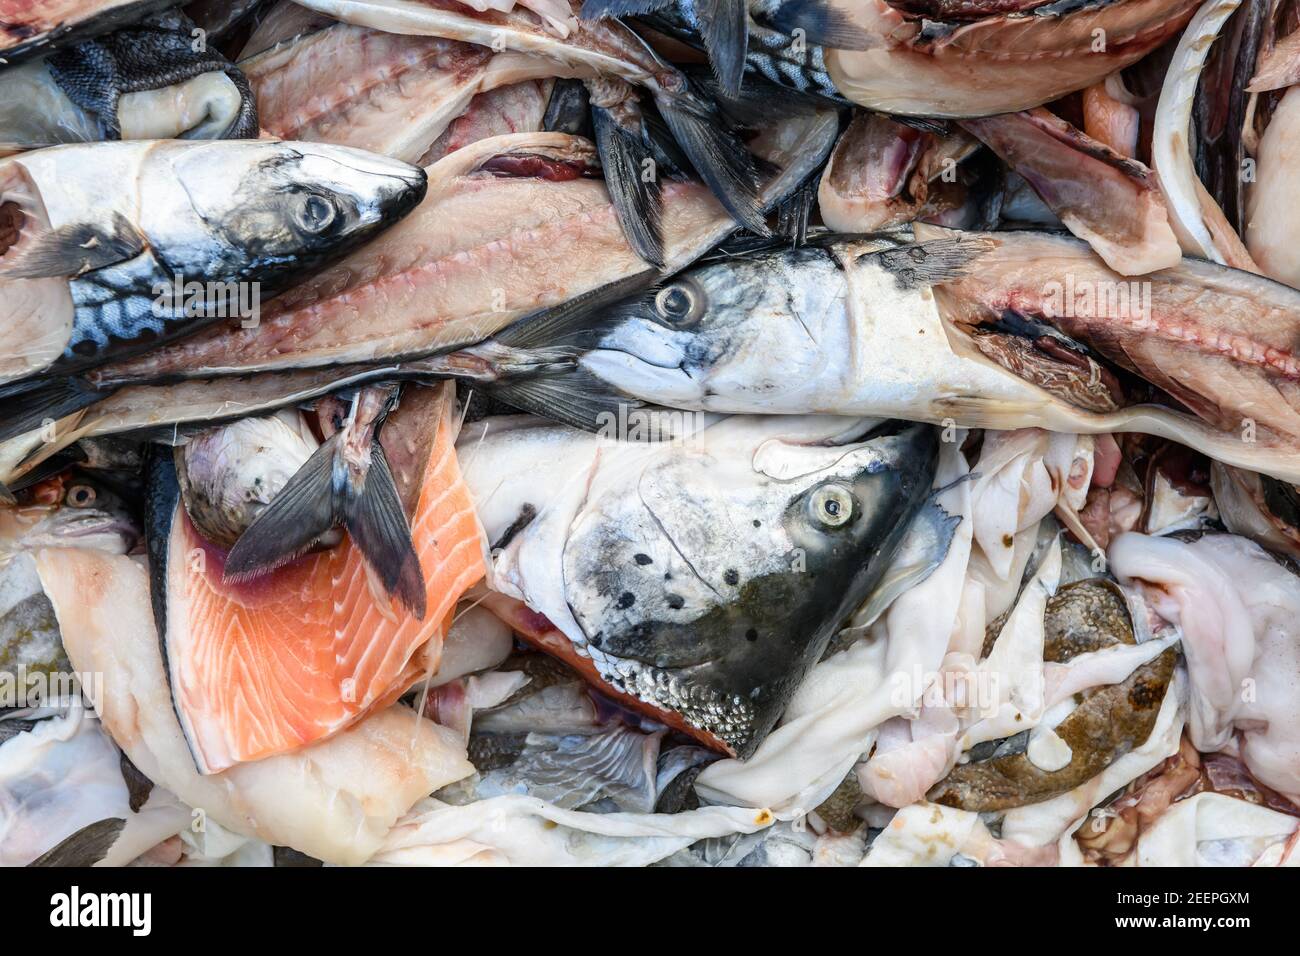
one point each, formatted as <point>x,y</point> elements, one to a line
<point>769,52</point>
<point>229,474</point>
<point>153,55</point>
<point>705,606</point>
<point>26,33</point>
<point>1109,721</point>
<point>81,276</point>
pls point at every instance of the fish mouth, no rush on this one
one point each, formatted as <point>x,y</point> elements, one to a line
<point>384,189</point>
<point>80,530</point>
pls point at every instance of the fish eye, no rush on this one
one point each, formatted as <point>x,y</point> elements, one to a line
<point>679,305</point>
<point>80,496</point>
<point>831,505</point>
<point>316,213</point>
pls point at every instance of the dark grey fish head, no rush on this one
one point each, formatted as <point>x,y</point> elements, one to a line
<point>272,211</point>
<point>711,588</point>
<point>749,334</point>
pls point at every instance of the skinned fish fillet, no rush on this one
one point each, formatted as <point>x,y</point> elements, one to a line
<point>335,800</point>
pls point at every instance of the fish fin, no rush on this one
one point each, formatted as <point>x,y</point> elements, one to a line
<point>575,397</point>
<point>822,25</point>
<point>378,526</point>
<point>7,497</point>
<point>296,518</point>
<point>637,198</point>
<point>794,212</point>
<point>599,9</point>
<point>73,250</point>
<point>930,263</point>
<point>724,27</point>
<point>86,847</point>
<point>572,323</point>
<point>569,109</point>
<point>721,159</point>
<point>758,103</point>
<point>26,411</point>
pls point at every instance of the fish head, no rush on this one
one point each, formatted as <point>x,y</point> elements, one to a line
<point>274,210</point>
<point>727,336</point>
<point>76,509</point>
<point>711,587</point>
<point>229,474</point>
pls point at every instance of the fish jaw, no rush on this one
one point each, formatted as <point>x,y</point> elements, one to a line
<point>720,628</point>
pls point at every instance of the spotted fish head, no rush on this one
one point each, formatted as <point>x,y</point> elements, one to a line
<point>711,587</point>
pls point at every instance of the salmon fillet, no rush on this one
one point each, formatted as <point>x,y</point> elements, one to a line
<point>272,665</point>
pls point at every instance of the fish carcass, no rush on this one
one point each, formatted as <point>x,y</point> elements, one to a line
<point>523,204</point>
<point>982,330</point>
<point>313,800</point>
<point>926,59</point>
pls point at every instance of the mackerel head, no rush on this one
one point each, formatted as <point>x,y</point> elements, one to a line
<point>109,249</point>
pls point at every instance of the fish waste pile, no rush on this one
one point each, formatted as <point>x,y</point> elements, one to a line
<point>673,433</point>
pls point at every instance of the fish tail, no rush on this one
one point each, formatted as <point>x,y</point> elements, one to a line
<point>377,523</point>
<point>634,184</point>
<point>41,405</point>
<point>321,495</point>
<point>717,153</point>
<point>599,9</point>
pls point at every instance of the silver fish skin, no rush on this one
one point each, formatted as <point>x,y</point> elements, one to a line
<point>762,49</point>
<point>97,241</point>
<point>700,579</point>
<point>881,327</point>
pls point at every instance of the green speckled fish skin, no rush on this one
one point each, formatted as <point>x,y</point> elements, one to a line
<point>1107,723</point>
